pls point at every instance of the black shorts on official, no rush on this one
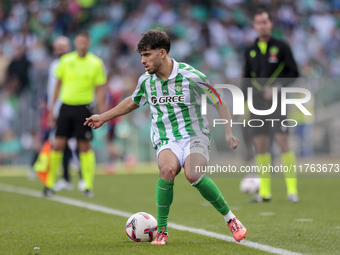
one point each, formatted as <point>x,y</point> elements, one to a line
<point>269,127</point>
<point>71,119</point>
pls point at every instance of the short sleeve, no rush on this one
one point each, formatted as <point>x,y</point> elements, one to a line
<point>138,95</point>
<point>100,78</point>
<point>203,86</point>
<point>212,95</point>
<point>59,71</point>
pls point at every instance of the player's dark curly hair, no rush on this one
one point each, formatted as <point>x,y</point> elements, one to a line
<point>154,39</point>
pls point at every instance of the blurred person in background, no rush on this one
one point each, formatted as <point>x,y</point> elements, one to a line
<point>115,91</point>
<point>17,73</point>
<point>8,139</point>
<point>61,46</point>
<point>4,62</point>
<point>80,75</point>
<point>304,129</point>
<point>9,147</point>
<point>268,62</point>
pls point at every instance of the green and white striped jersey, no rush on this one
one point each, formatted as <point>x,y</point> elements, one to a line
<point>175,104</point>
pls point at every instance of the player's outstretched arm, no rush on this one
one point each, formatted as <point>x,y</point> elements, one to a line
<point>124,107</point>
<point>224,113</point>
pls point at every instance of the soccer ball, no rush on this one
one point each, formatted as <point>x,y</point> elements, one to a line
<point>141,227</point>
<point>250,184</point>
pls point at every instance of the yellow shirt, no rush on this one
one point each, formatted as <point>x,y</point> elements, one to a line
<point>263,47</point>
<point>79,77</point>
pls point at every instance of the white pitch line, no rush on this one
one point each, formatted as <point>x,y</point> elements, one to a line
<point>107,210</point>
<point>235,208</point>
<point>304,220</point>
<point>267,213</point>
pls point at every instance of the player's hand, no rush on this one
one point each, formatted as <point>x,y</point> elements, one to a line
<point>94,121</point>
<point>268,93</point>
<point>233,141</point>
<point>51,119</point>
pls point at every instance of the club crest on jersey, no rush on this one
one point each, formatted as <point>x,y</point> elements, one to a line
<point>273,51</point>
<point>153,88</point>
<point>167,99</point>
<point>178,88</point>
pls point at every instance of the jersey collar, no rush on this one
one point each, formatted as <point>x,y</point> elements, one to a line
<point>79,58</point>
<point>174,72</point>
<point>269,41</point>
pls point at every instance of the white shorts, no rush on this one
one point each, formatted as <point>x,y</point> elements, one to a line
<point>184,147</point>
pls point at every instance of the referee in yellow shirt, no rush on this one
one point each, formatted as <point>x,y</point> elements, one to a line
<point>80,76</point>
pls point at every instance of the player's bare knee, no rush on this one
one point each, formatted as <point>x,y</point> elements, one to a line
<point>84,149</point>
<point>282,141</point>
<point>83,146</point>
<point>191,178</point>
<point>284,147</point>
<point>59,145</point>
<point>58,148</point>
<point>261,148</point>
<point>261,151</point>
<point>192,175</point>
<point>261,144</point>
<point>168,173</point>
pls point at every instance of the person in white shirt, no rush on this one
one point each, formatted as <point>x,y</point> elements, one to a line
<point>61,46</point>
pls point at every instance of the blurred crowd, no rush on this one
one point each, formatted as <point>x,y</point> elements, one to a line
<point>210,35</point>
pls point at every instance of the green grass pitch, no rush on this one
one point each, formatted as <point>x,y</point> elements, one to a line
<point>27,222</point>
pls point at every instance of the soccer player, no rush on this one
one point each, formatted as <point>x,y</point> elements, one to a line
<point>179,132</point>
<point>270,63</point>
<point>80,74</point>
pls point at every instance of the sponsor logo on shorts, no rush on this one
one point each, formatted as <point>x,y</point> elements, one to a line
<point>197,144</point>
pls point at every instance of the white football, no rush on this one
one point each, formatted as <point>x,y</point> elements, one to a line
<point>250,184</point>
<point>141,227</point>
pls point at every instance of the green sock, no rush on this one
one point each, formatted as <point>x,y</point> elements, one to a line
<point>264,160</point>
<point>56,159</point>
<point>211,193</point>
<point>164,196</point>
<point>87,167</point>
<point>289,160</point>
